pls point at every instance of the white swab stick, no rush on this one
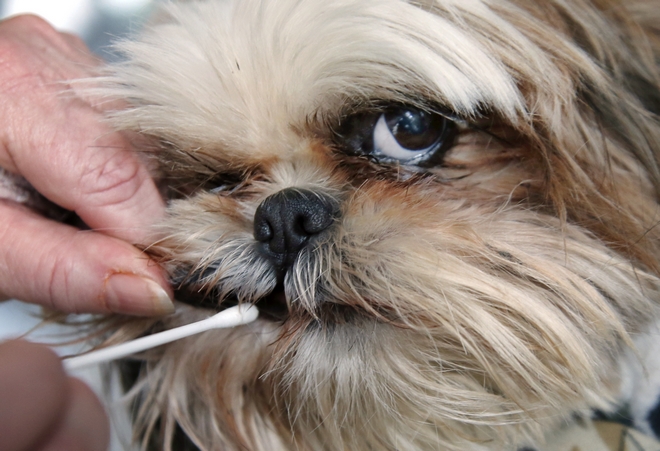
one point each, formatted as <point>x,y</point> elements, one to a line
<point>234,316</point>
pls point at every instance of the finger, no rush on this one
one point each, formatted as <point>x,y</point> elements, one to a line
<point>60,143</point>
<point>75,43</point>
<point>33,389</point>
<point>58,266</point>
<point>84,425</point>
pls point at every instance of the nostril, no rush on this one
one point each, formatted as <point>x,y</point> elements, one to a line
<point>262,229</point>
<point>316,222</point>
<point>286,220</point>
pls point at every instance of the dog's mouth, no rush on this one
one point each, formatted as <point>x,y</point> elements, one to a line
<point>273,306</point>
<point>276,306</point>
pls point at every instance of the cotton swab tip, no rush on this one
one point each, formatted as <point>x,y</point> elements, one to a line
<point>234,316</point>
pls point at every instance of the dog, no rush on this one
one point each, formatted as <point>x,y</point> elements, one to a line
<point>445,212</point>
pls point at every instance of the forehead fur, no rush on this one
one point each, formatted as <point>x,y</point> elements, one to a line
<point>244,74</point>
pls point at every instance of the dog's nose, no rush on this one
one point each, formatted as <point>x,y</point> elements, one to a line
<point>286,221</point>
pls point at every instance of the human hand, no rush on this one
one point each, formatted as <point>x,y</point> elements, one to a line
<point>60,145</point>
<point>41,409</point>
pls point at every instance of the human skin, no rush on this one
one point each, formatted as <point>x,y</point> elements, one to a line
<point>60,145</point>
<point>41,408</point>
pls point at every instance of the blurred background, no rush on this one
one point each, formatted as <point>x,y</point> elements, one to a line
<point>99,23</point>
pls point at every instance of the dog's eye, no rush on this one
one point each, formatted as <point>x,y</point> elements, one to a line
<point>405,135</point>
<point>408,135</point>
<point>224,183</point>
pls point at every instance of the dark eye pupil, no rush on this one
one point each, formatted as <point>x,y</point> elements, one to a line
<point>415,129</point>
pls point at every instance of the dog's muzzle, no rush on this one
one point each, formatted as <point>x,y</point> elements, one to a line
<point>289,220</point>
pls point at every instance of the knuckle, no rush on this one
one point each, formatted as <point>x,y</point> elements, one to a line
<point>31,47</point>
<point>19,33</point>
<point>12,58</point>
<point>61,282</point>
<point>30,24</point>
<point>22,42</point>
<point>111,179</point>
<point>55,269</point>
<point>74,40</point>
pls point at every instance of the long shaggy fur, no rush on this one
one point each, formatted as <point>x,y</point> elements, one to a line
<point>474,304</point>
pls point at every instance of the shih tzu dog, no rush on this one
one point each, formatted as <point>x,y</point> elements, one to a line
<point>445,211</point>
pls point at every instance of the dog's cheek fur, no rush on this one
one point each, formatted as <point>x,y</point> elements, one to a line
<point>526,312</point>
<point>589,125</point>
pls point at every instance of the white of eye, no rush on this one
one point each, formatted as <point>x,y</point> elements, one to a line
<point>386,145</point>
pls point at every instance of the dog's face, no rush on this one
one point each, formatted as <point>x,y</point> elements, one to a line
<point>443,209</point>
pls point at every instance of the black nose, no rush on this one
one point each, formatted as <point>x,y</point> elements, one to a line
<point>285,222</point>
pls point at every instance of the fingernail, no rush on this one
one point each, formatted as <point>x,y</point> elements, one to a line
<point>135,295</point>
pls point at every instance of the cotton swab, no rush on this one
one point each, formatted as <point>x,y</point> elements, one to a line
<point>231,317</point>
